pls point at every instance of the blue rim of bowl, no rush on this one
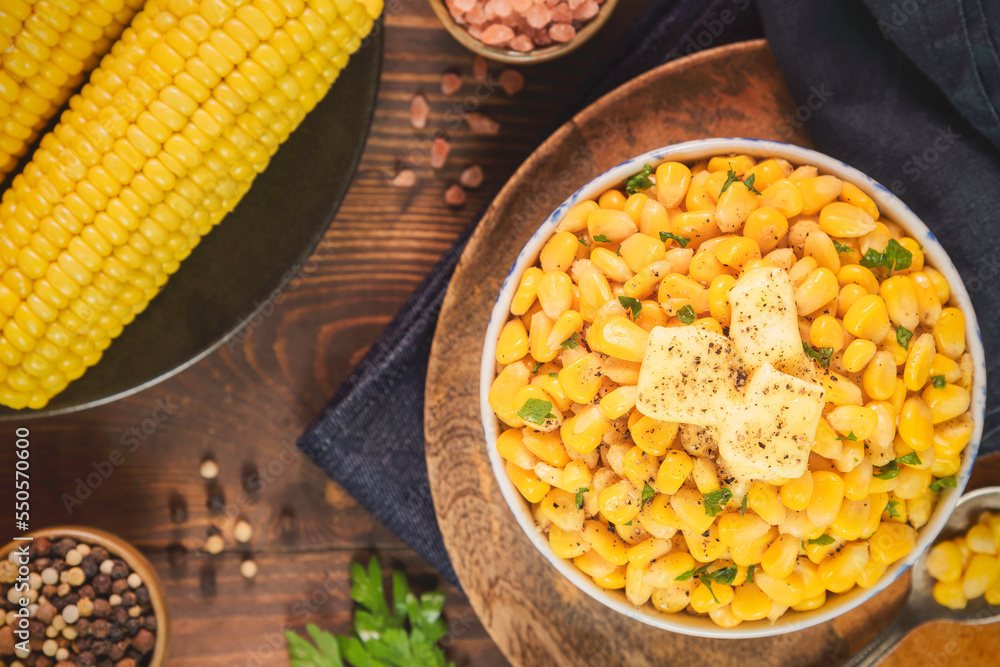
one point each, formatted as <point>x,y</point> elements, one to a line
<point>894,209</point>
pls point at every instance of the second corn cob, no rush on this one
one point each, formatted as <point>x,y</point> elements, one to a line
<point>165,139</point>
<point>48,47</point>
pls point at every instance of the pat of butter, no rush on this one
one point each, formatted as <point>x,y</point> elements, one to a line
<point>765,323</point>
<point>689,375</point>
<point>769,435</point>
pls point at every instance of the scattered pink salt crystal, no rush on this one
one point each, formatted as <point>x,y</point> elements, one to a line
<point>454,196</point>
<point>479,68</point>
<point>476,31</point>
<point>497,35</point>
<point>480,124</point>
<point>521,6</point>
<point>511,81</point>
<point>573,4</point>
<point>522,43</point>
<point>476,16</point>
<point>501,8</point>
<point>538,16</point>
<point>465,5</point>
<point>586,11</point>
<point>562,32</point>
<point>472,177</point>
<point>419,110</point>
<point>406,178</point>
<point>542,38</point>
<point>455,12</point>
<point>451,83</point>
<point>439,152</point>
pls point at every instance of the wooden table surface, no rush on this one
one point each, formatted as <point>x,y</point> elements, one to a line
<point>246,403</point>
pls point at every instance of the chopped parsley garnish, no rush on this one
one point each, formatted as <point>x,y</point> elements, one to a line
<point>910,459</point>
<point>715,501</point>
<point>640,181</point>
<point>536,411</point>
<point>648,493</point>
<point>891,509</point>
<point>631,304</point>
<point>693,573</point>
<point>841,248</point>
<point>938,381</point>
<point>601,238</point>
<point>686,314</point>
<point>823,540</point>
<point>553,375</point>
<point>821,354</point>
<point>535,368</point>
<point>583,241</point>
<point>850,436</point>
<point>903,336</point>
<point>888,471</point>
<point>682,241</point>
<point>750,572</point>
<point>743,505</point>
<point>937,486</point>
<point>571,343</point>
<point>731,178</point>
<point>579,495</point>
<point>895,258</point>
<point>749,183</point>
<point>724,576</point>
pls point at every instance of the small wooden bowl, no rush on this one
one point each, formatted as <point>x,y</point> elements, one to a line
<point>541,55</point>
<point>118,547</point>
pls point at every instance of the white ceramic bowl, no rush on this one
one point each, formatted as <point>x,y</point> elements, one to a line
<point>690,152</point>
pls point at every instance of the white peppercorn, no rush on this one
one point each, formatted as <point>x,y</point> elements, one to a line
<point>115,600</point>
<point>70,633</point>
<point>214,544</point>
<point>51,632</point>
<point>209,469</point>
<point>71,614</point>
<point>243,532</point>
<point>34,581</point>
<point>134,580</point>
<point>50,647</point>
<point>58,622</point>
<point>86,607</point>
<point>107,566</point>
<point>62,654</point>
<point>50,576</point>
<point>84,549</point>
<point>73,557</point>
<point>75,577</point>
<point>248,569</point>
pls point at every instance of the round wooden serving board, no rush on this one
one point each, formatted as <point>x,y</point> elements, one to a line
<point>537,617</point>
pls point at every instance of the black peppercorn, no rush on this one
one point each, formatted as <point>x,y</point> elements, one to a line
<point>102,584</point>
<point>128,599</point>
<point>133,625</point>
<point>101,629</point>
<point>120,586</point>
<point>119,570</point>
<point>150,623</point>
<point>90,566</point>
<point>62,547</point>
<point>100,554</point>
<point>119,614</point>
<point>86,659</point>
<point>141,596</point>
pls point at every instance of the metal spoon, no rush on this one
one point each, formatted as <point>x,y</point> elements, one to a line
<point>920,606</point>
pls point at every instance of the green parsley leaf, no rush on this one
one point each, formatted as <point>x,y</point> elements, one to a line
<point>648,493</point>
<point>821,354</point>
<point>725,576</point>
<point>571,343</point>
<point>601,238</point>
<point>693,573</point>
<point>841,248</point>
<point>536,411</point>
<point>823,540</point>
<point>749,183</point>
<point>583,241</point>
<point>553,375</point>
<point>681,240</point>
<point>631,304</point>
<point>850,436</point>
<point>910,459</point>
<point>579,496</point>
<point>534,369</point>
<point>715,501</point>
<point>301,653</point>
<point>686,314</point>
<point>938,485</point>
<point>903,336</point>
<point>640,181</point>
<point>888,471</point>
<point>750,572</point>
<point>891,508</point>
<point>895,258</point>
<point>743,505</point>
<point>627,524</point>
<point>731,178</point>
<point>938,381</point>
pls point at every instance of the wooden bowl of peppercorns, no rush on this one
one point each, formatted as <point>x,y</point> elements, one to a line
<point>92,601</point>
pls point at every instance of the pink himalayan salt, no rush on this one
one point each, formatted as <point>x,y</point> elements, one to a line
<point>406,178</point>
<point>538,16</point>
<point>562,32</point>
<point>451,83</point>
<point>511,81</point>
<point>476,16</point>
<point>521,6</point>
<point>472,177</point>
<point>497,35</point>
<point>574,4</point>
<point>586,11</point>
<point>522,43</point>
<point>476,31</point>
<point>480,124</point>
<point>499,8</point>
<point>479,68</point>
<point>419,110</point>
<point>465,5</point>
<point>454,196</point>
<point>439,152</point>
<point>561,13</point>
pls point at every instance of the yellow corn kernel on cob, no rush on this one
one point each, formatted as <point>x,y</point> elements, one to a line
<point>161,143</point>
<point>47,47</point>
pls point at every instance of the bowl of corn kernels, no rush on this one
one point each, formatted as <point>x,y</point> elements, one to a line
<point>732,388</point>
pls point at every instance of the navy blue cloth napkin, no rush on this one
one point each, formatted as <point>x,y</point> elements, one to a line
<point>900,90</point>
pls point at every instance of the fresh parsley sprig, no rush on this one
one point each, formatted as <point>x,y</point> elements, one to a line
<point>631,304</point>
<point>401,635</point>
<point>891,509</point>
<point>715,501</point>
<point>894,258</point>
<point>939,485</point>
<point>821,354</point>
<point>891,470</point>
<point>842,248</point>
<point>731,178</point>
<point>648,493</point>
<point>686,314</point>
<point>571,343</point>
<point>850,437</point>
<point>579,496</point>
<point>682,241</point>
<point>640,181</point>
<point>823,540</point>
<point>536,411</point>
<point>725,576</point>
<point>938,381</point>
<point>903,336</point>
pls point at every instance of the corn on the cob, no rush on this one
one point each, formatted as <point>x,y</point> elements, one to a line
<point>161,143</point>
<point>48,47</point>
